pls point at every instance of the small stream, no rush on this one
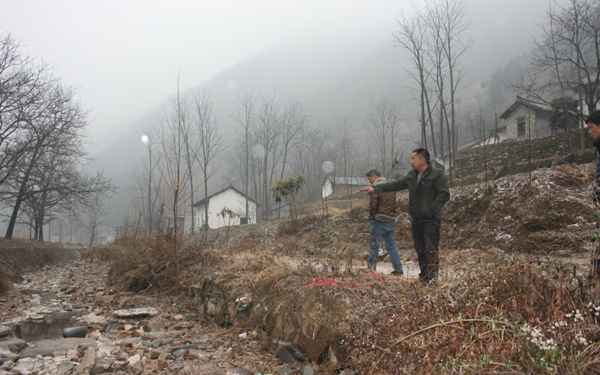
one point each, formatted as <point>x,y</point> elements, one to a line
<point>50,328</point>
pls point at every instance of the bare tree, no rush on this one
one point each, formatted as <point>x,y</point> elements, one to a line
<point>344,144</point>
<point>55,126</point>
<point>210,141</point>
<point>452,16</point>
<point>566,58</point>
<point>23,87</point>
<point>383,125</point>
<point>267,136</point>
<point>292,123</point>
<point>173,168</point>
<point>244,116</point>
<point>92,209</point>
<point>413,36</point>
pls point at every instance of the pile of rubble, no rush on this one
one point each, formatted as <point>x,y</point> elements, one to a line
<point>158,338</point>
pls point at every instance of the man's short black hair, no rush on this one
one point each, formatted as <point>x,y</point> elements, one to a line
<point>593,117</point>
<point>422,153</point>
<point>373,172</point>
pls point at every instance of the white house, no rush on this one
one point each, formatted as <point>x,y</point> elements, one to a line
<point>525,116</point>
<point>333,184</point>
<point>229,198</point>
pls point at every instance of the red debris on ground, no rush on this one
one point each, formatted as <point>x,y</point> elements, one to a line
<point>329,281</point>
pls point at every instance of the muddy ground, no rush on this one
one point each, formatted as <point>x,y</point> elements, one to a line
<point>296,297</point>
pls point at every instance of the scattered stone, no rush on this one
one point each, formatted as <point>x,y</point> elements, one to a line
<point>113,326</point>
<point>5,330</point>
<point>196,354</point>
<point>106,349</point>
<point>136,312</point>
<point>179,353</point>
<point>290,356</point>
<point>65,367</point>
<point>48,347</point>
<point>89,358</point>
<point>156,324</point>
<point>134,363</point>
<point>80,331</point>
<point>14,344</point>
<point>93,319</point>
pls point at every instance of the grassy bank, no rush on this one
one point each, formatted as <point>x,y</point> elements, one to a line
<point>19,256</point>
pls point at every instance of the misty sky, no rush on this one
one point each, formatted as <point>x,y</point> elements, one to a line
<point>124,56</point>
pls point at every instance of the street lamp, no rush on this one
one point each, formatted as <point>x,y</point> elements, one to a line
<point>146,141</point>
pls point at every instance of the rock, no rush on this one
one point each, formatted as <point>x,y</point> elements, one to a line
<point>5,330</point>
<point>89,358</point>
<point>14,344</point>
<point>80,331</point>
<point>113,326</point>
<point>122,355</point>
<point>134,364</point>
<point>307,370</point>
<point>290,356</point>
<point>179,353</point>
<point>106,349</point>
<point>24,366</point>
<point>156,366</point>
<point>65,367</point>
<point>93,319</point>
<point>47,347</point>
<point>347,371</point>
<point>136,312</point>
<point>122,335</point>
<point>130,341</point>
<point>196,354</point>
<point>156,324</point>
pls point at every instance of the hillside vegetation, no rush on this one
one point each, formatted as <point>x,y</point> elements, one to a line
<point>514,293</point>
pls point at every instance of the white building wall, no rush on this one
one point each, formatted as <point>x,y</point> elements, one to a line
<point>230,199</point>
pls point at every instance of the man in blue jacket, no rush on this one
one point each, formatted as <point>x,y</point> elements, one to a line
<point>428,193</point>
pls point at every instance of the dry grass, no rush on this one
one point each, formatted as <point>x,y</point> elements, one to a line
<point>491,311</point>
<point>18,256</point>
<point>142,264</point>
<point>517,318</point>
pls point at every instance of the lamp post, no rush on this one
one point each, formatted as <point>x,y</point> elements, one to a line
<point>146,141</point>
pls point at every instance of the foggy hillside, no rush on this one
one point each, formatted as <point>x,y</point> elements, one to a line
<point>332,79</point>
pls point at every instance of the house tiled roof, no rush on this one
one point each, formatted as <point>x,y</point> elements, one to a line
<point>527,103</point>
<point>203,201</point>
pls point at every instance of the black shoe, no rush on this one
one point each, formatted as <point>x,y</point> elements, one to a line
<point>397,273</point>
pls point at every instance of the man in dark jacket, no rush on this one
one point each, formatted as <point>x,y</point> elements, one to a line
<point>382,213</point>
<point>593,125</point>
<point>428,193</point>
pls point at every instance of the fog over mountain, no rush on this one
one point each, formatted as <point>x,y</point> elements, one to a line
<point>336,58</point>
<point>332,78</point>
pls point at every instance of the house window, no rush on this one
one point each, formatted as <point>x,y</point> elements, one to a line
<point>243,220</point>
<point>520,127</point>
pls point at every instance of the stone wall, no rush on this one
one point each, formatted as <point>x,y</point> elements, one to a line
<point>512,156</point>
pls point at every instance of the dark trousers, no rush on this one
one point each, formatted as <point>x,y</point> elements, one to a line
<point>426,236</point>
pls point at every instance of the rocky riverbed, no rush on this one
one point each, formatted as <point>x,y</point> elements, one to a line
<point>115,332</point>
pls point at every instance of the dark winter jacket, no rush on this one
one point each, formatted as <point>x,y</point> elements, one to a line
<point>382,206</point>
<point>597,179</point>
<point>427,198</point>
